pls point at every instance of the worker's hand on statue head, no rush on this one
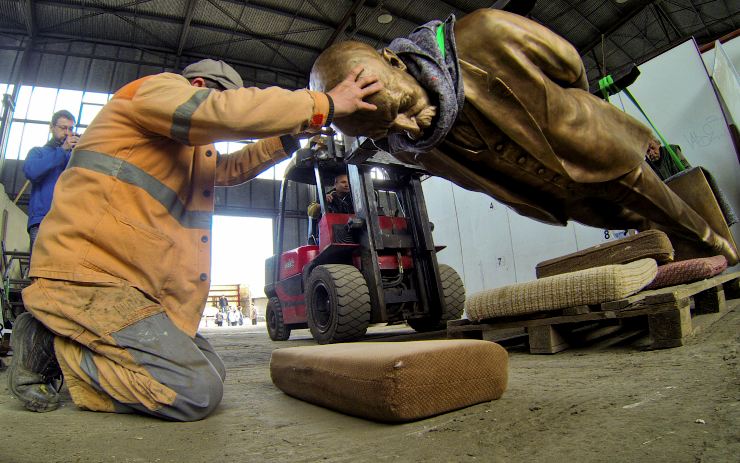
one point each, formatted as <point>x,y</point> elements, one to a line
<point>70,141</point>
<point>349,94</point>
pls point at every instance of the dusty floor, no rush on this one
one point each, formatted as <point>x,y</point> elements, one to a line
<point>601,403</point>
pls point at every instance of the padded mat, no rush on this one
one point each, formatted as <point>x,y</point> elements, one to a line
<point>686,271</point>
<point>590,286</point>
<point>652,244</point>
<point>393,381</point>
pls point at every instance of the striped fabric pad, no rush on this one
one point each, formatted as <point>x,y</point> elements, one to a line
<point>590,286</point>
<point>653,244</point>
<point>393,381</point>
<point>686,271</point>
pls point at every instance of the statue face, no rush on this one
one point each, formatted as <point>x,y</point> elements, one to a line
<point>403,105</point>
<point>653,150</point>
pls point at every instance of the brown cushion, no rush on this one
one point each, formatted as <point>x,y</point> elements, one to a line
<point>652,244</point>
<point>393,381</point>
<point>686,271</point>
<point>590,286</point>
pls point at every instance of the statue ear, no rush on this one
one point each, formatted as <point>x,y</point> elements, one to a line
<point>393,59</point>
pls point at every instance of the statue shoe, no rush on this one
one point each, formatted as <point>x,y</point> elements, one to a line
<point>34,370</point>
<point>722,246</point>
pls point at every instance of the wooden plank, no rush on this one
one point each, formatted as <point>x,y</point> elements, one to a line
<point>711,300</point>
<point>732,289</point>
<point>546,340</point>
<point>664,306</point>
<point>671,328</point>
<point>683,291</point>
<point>471,333</point>
<point>579,310</point>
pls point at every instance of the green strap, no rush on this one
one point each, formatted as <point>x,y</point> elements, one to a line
<point>441,38</point>
<point>606,84</point>
<point>673,154</point>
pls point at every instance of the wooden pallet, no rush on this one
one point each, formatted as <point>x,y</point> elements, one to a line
<point>671,318</point>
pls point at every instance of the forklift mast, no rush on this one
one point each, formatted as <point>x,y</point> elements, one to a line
<point>405,181</point>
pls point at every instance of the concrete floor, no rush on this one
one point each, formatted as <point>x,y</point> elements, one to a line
<point>604,403</point>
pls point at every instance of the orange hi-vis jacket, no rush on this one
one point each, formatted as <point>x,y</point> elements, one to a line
<point>135,204</point>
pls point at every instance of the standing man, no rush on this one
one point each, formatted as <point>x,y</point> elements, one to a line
<point>339,200</point>
<point>122,264</point>
<point>661,161</point>
<point>253,314</point>
<point>44,165</point>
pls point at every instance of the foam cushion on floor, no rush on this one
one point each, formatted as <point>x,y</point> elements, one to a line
<point>686,271</point>
<point>653,244</point>
<point>393,381</point>
<point>591,286</point>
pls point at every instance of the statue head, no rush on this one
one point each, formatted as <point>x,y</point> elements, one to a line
<point>403,104</point>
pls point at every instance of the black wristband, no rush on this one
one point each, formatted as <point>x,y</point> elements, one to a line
<point>330,116</point>
<point>290,144</point>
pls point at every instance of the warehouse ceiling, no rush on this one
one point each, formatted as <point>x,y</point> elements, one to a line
<point>275,42</point>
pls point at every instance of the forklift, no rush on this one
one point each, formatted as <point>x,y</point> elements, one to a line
<point>377,265</point>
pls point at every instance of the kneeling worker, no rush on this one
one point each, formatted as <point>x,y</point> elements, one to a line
<point>122,263</point>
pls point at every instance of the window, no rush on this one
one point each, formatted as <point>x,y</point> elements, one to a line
<point>41,104</point>
<point>34,109</point>
<point>71,100</point>
<point>23,137</point>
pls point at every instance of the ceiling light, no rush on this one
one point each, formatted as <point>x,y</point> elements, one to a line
<point>384,17</point>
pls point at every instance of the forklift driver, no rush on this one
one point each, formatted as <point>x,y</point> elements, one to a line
<point>339,200</point>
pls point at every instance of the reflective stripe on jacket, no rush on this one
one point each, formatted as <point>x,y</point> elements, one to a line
<point>136,201</point>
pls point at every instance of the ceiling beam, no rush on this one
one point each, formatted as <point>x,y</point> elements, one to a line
<point>94,11</point>
<point>249,31</point>
<point>164,51</point>
<point>664,14</point>
<point>189,9</point>
<point>698,15</point>
<point>626,16</point>
<point>30,18</point>
<point>344,23</point>
<point>90,10</point>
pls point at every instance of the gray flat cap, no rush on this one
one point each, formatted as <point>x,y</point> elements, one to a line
<point>217,71</point>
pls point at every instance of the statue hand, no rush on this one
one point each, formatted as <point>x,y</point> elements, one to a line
<point>350,92</point>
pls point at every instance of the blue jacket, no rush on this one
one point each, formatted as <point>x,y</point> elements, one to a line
<point>43,166</point>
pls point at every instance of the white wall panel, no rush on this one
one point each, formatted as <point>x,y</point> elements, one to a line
<point>441,209</point>
<point>534,242</point>
<point>486,241</point>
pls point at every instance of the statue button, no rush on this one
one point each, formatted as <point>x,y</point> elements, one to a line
<point>521,160</point>
<point>209,153</point>
<point>204,238</point>
<point>540,171</point>
<point>203,277</point>
<point>206,193</point>
<point>499,147</point>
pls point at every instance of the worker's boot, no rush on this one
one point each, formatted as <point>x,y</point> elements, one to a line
<point>34,369</point>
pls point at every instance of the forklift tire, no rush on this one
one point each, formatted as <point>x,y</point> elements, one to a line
<point>276,327</point>
<point>338,303</point>
<point>454,293</point>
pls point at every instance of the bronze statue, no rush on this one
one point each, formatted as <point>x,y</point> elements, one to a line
<point>499,104</point>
